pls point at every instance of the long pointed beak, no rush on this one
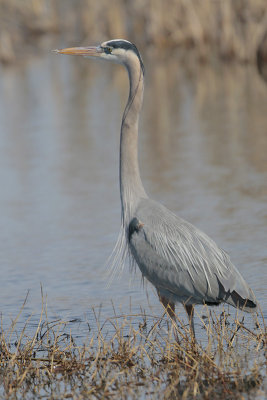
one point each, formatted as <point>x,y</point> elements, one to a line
<point>81,51</point>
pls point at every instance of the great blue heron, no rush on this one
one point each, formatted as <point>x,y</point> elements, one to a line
<point>183,263</point>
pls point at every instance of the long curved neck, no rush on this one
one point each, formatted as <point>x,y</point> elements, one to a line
<point>131,187</point>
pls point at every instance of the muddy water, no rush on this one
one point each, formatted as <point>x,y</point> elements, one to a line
<point>203,147</point>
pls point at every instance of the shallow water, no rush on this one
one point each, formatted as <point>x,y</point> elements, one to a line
<point>203,147</point>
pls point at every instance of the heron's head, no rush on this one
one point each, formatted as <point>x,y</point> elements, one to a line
<point>118,50</point>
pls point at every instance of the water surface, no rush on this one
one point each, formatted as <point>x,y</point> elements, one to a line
<point>203,147</point>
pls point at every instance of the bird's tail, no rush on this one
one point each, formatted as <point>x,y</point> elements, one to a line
<point>249,304</point>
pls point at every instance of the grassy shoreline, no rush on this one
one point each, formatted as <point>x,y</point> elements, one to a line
<point>135,361</point>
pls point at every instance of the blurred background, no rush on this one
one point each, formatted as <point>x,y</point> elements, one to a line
<point>229,29</point>
<point>203,144</point>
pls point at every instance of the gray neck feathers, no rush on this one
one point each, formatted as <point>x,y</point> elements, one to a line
<point>131,187</point>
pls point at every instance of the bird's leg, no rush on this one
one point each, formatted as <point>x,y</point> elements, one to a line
<point>170,308</point>
<point>168,305</point>
<point>190,312</point>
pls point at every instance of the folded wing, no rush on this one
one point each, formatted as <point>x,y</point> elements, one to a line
<point>182,262</point>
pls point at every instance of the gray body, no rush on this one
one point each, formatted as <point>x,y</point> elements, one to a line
<point>183,263</point>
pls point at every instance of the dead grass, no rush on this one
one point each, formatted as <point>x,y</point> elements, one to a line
<point>121,359</point>
<point>228,29</point>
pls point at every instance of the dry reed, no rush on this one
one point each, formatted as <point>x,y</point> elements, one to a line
<point>123,360</point>
<point>228,29</point>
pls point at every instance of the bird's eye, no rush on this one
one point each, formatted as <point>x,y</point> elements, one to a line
<point>108,50</point>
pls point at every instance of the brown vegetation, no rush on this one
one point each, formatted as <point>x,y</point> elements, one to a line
<point>123,360</point>
<point>228,29</point>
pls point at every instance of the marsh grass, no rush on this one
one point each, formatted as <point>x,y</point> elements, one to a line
<point>124,359</point>
<point>228,29</point>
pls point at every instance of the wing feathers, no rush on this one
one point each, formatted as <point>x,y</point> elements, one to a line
<point>177,257</point>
